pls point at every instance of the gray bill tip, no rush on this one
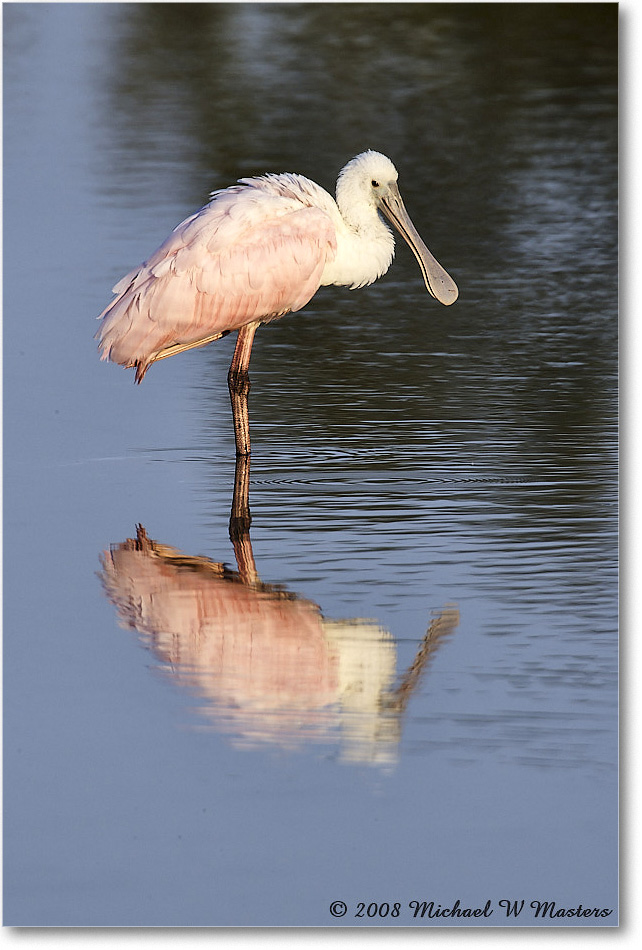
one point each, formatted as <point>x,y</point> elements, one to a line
<point>441,285</point>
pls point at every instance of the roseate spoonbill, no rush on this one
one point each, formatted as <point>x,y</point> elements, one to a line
<point>257,251</point>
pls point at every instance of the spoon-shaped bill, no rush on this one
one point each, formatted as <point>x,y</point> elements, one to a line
<point>439,283</point>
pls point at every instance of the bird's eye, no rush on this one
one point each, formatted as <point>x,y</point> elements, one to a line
<point>375,184</point>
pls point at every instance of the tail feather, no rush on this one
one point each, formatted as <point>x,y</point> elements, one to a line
<point>141,368</point>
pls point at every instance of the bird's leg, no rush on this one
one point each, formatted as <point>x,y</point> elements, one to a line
<point>240,517</point>
<point>240,520</point>
<point>238,380</point>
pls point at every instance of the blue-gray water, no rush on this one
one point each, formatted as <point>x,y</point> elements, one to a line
<point>418,701</point>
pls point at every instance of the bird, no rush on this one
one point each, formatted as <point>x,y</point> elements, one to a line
<point>256,251</point>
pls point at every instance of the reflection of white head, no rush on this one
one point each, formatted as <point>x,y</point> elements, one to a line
<point>367,667</point>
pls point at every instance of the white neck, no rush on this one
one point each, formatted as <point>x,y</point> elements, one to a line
<point>365,245</point>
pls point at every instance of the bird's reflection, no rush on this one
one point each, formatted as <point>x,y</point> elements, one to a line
<point>267,665</point>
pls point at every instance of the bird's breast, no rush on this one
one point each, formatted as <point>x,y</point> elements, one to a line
<point>362,257</point>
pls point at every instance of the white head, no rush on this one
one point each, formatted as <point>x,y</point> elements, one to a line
<point>368,185</point>
<point>364,179</point>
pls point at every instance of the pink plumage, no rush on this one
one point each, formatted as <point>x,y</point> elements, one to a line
<point>247,255</point>
<point>258,250</point>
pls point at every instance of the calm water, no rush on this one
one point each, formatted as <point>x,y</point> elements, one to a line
<point>402,686</point>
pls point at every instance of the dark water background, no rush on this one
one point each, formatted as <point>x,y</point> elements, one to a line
<point>233,758</point>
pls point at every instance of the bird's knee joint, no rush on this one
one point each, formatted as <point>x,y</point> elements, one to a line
<point>239,526</point>
<point>239,382</point>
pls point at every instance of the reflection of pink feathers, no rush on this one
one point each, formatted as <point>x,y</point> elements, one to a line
<point>267,664</point>
<point>256,251</point>
<point>240,645</point>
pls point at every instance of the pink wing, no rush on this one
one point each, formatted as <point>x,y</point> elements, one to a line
<point>245,256</point>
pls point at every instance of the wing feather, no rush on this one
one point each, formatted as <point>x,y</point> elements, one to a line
<point>246,256</point>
